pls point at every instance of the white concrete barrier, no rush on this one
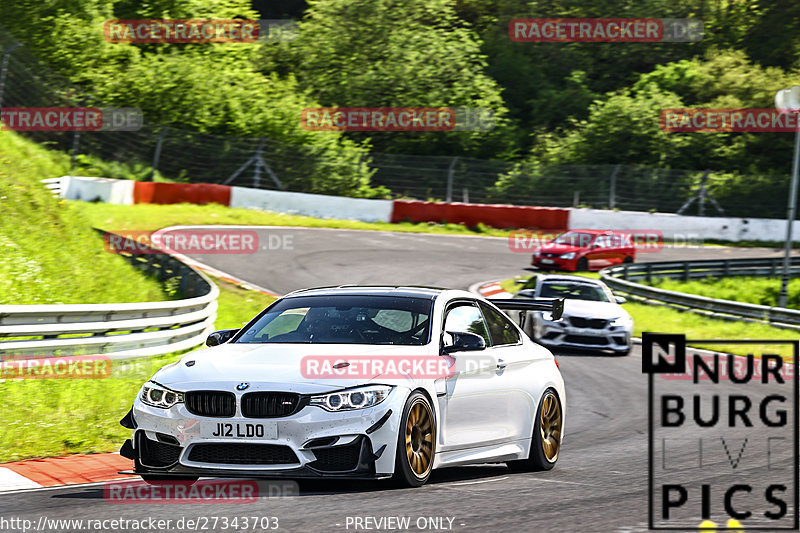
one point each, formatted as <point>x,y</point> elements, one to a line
<point>678,227</point>
<point>106,190</point>
<point>313,205</point>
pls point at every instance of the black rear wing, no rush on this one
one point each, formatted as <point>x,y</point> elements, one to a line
<point>553,305</point>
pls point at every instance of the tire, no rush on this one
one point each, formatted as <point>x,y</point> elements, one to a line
<point>542,455</point>
<point>416,443</point>
<point>627,260</point>
<point>153,479</point>
<point>582,265</point>
<point>623,353</point>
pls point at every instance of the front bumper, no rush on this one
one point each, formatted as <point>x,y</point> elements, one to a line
<point>555,263</point>
<point>616,338</point>
<point>311,443</point>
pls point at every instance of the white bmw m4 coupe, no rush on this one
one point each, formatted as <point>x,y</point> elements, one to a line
<point>355,382</point>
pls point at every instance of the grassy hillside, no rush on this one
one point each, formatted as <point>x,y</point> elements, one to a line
<point>48,252</point>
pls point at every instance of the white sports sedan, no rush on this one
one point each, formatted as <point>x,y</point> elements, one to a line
<point>592,319</point>
<point>355,382</point>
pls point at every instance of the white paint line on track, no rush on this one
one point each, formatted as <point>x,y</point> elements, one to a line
<point>477,482</point>
<point>10,481</point>
<point>567,482</point>
<point>39,488</point>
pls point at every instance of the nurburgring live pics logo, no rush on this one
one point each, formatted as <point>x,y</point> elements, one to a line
<point>730,420</point>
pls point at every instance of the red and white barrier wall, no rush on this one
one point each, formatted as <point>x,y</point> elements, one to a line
<point>549,219</point>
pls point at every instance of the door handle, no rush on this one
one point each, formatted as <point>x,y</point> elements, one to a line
<point>501,364</point>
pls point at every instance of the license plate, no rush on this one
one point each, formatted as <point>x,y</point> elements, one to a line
<point>546,261</point>
<point>240,430</point>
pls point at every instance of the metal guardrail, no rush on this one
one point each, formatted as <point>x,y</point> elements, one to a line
<point>619,278</point>
<point>119,330</point>
<point>53,185</point>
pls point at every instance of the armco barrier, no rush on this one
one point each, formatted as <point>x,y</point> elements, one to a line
<point>180,193</point>
<point>109,191</point>
<point>619,279</point>
<point>678,226</point>
<point>119,330</point>
<point>369,210</point>
<point>314,205</point>
<point>498,216</point>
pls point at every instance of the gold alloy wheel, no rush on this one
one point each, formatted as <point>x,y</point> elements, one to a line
<point>550,426</point>
<point>419,438</point>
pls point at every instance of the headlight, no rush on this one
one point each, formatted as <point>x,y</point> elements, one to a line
<point>622,321</point>
<point>569,255</point>
<point>350,399</point>
<point>157,396</point>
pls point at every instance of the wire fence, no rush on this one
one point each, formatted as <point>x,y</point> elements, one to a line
<point>159,151</point>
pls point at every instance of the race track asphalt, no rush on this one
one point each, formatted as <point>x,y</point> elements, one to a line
<point>599,484</point>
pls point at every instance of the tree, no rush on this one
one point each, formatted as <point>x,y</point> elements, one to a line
<point>395,53</point>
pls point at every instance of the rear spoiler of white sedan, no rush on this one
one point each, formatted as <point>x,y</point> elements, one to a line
<point>553,305</point>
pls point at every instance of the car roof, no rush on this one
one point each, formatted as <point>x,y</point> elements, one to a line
<point>597,231</point>
<point>567,278</point>
<point>403,291</point>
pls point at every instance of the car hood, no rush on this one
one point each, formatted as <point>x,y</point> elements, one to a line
<point>271,367</point>
<point>589,309</point>
<point>553,248</point>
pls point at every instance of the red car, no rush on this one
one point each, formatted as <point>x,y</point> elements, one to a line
<point>585,249</point>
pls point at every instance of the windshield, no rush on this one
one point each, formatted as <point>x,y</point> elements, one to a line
<point>575,238</point>
<point>344,320</point>
<point>574,291</point>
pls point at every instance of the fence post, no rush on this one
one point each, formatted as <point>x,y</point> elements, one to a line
<point>648,271</point>
<point>612,187</point>
<point>686,271</point>
<point>450,173</point>
<point>157,154</point>
<point>257,169</point>
<point>76,141</point>
<point>4,70</point>
<point>702,203</point>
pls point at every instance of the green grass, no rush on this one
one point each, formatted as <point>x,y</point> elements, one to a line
<point>52,417</point>
<point>49,253</point>
<point>661,319</point>
<point>761,291</point>
<point>151,217</point>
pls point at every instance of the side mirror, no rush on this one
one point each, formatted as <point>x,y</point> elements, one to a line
<point>220,337</point>
<point>620,300</point>
<point>465,342</point>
